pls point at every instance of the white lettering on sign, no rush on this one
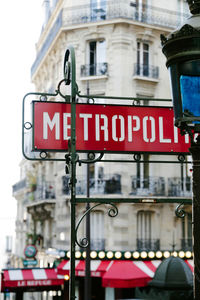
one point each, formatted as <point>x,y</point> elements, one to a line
<point>175,134</point>
<point>109,128</point>
<point>119,131</point>
<point>85,124</point>
<point>161,132</point>
<point>21,283</point>
<point>39,282</point>
<point>66,126</point>
<point>132,128</point>
<point>103,127</point>
<point>47,122</point>
<point>153,129</point>
<point>114,128</point>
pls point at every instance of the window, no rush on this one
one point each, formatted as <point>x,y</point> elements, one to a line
<point>142,11</point>
<point>186,183</point>
<point>98,10</point>
<point>8,243</point>
<point>142,59</point>
<point>186,242</point>
<point>145,230</point>
<point>93,57</point>
<point>142,172</point>
<point>142,66</point>
<point>96,177</point>
<point>144,220</point>
<point>96,59</point>
<point>182,8</point>
<point>97,230</point>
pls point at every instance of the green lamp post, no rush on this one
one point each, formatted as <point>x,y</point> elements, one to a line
<point>182,50</point>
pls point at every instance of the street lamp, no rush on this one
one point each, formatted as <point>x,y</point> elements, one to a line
<point>182,50</point>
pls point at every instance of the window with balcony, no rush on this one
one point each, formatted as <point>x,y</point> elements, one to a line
<point>142,59</point>
<point>186,241</point>
<point>97,230</point>
<point>145,240</point>
<point>182,185</point>
<point>98,10</point>
<point>182,8</point>
<point>142,66</point>
<point>142,173</point>
<point>96,59</point>
<point>96,177</point>
<point>9,244</point>
<point>146,170</point>
<point>142,10</point>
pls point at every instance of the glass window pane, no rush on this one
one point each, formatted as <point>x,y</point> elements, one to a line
<point>190,92</point>
<point>101,51</point>
<point>146,47</point>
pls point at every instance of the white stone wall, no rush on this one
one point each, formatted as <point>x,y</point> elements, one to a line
<point>121,51</point>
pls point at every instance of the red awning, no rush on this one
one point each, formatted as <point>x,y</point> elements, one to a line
<point>190,263</point>
<point>118,273</point>
<point>115,273</point>
<point>33,279</point>
<point>97,267</point>
<point>126,274</point>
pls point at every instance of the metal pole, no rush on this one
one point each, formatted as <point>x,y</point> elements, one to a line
<point>72,150</point>
<point>195,151</point>
<point>87,291</point>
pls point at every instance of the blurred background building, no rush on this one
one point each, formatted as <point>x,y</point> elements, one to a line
<point>118,52</point>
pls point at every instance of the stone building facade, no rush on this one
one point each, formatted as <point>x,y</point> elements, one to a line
<point>118,53</point>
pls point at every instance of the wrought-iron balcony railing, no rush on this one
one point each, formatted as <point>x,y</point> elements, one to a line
<point>186,244</point>
<point>179,186</point>
<point>148,244</point>
<point>112,9</point>
<point>97,244</point>
<point>161,186</point>
<point>98,69</point>
<point>149,186</point>
<point>19,185</point>
<point>42,191</point>
<point>109,184</point>
<point>146,71</point>
<point>109,10</point>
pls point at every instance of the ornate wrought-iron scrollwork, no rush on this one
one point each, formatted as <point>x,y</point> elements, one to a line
<point>112,212</point>
<point>67,68</point>
<point>181,158</point>
<point>137,157</point>
<point>66,97</point>
<point>179,211</point>
<point>91,158</point>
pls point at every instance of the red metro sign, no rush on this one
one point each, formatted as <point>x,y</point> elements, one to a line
<point>107,128</point>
